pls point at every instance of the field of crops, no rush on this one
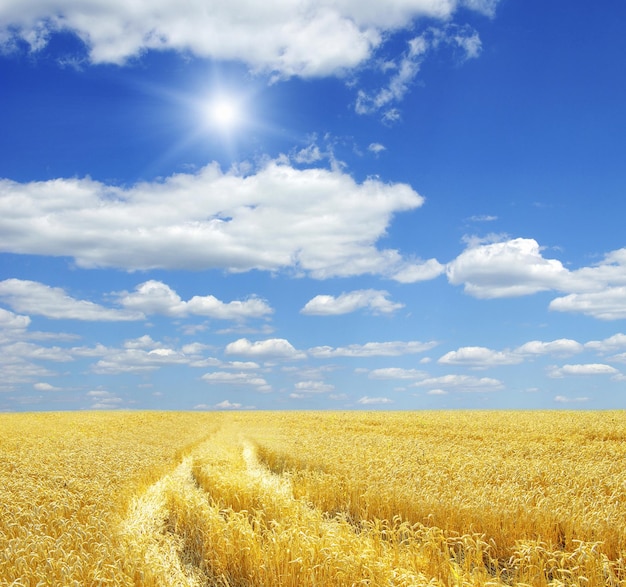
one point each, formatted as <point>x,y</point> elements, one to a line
<point>313,498</point>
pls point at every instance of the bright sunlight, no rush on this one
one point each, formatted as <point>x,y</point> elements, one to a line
<point>225,112</point>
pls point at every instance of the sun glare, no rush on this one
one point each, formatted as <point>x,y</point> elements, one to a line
<point>224,113</point>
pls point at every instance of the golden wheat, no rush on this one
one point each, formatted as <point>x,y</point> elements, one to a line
<point>328,499</point>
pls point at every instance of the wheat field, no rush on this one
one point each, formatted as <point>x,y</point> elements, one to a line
<point>313,498</point>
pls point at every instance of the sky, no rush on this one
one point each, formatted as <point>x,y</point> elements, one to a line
<point>336,204</point>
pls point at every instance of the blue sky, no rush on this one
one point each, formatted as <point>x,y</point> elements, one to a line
<point>314,205</point>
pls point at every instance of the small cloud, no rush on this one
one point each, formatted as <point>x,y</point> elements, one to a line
<point>309,154</point>
<point>608,345</point>
<point>45,387</point>
<point>313,387</point>
<point>32,297</point>
<point>271,348</point>
<point>462,383</point>
<point>391,116</point>
<point>583,369</point>
<point>479,357</point>
<point>338,396</point>
<point>376,301</point>
<point>482,218</point>
<point>396,373</point>
<point>376,148</point>
<point>227,378</point>
<point>104,400</point>
<point>227,405</point>
<point>369,401</point>
<point>568,400</point>
<point>373,349</point>
<point>437,392</point>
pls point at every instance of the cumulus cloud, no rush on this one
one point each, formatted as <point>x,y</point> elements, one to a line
<point>306,38</point>
<point>11,321</point>
<point>481,356</point>
<point>582,369</point>
<point>609,304</point>
<point>104,400</point>
<point>463,383</point>
<point>376,148</point>
<point>313,387</point>
<point>241,378</point>
<point>372,401</point>
<point>42,386</point>
<point>562,346</point>
<point>419,271</point>
<point>27,350</point>
<point>482,218</point>
<point>137,360</point>
<point>376,301</point>
<point>506,269</point>
<point>227,405</point>
<point>373,349</point>
<point>37,298</point>
<point>517,267</point>
<point>563,399</point>
<point>396,373</point>
<point>315,222</point>
<point>155,297</point>
<point>608,345</point>
<point>271,348</point>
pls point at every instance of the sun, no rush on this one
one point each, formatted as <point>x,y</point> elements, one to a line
<point>224,113</point>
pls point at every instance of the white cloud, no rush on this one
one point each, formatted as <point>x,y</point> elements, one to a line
<point>517,267</point>
<point>482,218</point>
<point>505,269</point>
<point>373,349</point>
<point>306,38</point>
<point>566,400</point>
<point>313,387</point>
<point>16,370</point>
<point>227,378</point>
<point>419,271</point>
<point>464,383</point>
<point>136,360</point>
<point>582,369</point>
<point>396,373</point>
<point>11,321</point>
<point>376,301</point>
<point>314,222</point>
<point>562,346</point>
<point>36,298</point>
<point>408,66</point>
<point>272,348</point>
<point>609,304</point>
<point>41,386</point>
<point>481,356</point>
<point>404,73</point>
<point>155,297</point>
<point>32,351</point>
<point>371,401</point>
<point>227,405</point>
<point>104,400</point>
<point>309,155</point>
<point>143,342</point>
<point>608,345</point>
<point>376,148</point>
